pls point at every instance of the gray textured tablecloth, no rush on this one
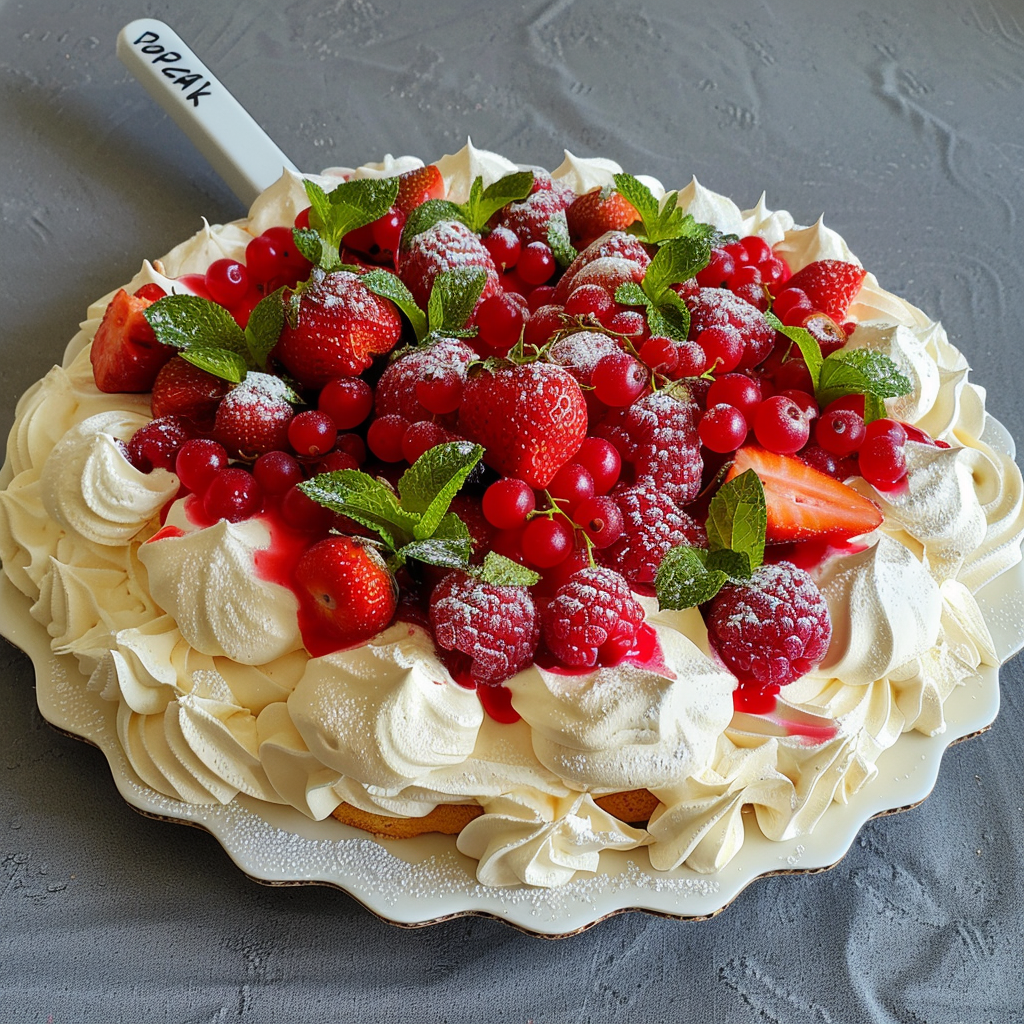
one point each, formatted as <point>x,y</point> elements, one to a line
<point>902,122</point>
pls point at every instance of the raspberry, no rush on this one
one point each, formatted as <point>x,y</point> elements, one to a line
<point>773,628</point>
<point>495,627</point>
<point>653,524</point>
<point>531,218</point>
<point>156,445</point>
<point>396,393</point>
<point>718,307</point>
<point>592,614</point>
<point>658,435</point>
<point>445,246</point>
<point>615,243</point>
<point>580,352</point>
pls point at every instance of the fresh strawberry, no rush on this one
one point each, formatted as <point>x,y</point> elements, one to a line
<point>341,325</point>
<point>446,245</point>
<point>804,502</point>
<point>346,594</point>
<point>253,417</point>
<point>125,354</point>
<point>615,243</point>
<point>416,187</point>
<point>830,285</point>
<point>182,389</point>
<point>530,418</point>
<point>594,213</point>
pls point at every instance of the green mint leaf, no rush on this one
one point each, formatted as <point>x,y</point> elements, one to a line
<point>676,261</point>
<point>860,371</point>
<point>558,241</point>
<point>503,572</point>
<point>484,203</point>
<point>874,408</point>
<point>640,196</point>
<point>334,214</point>
<point>738,517</point>
<point>670,318</point>
<point>428,486</point>
<point>453,297</point>
<point>804,340</point>
<point>389,286</point>
<point>221,362</point>
<point>427,214</point>
<point>735,564</point>
<point>264,327</point>
<point>185,320</point>
<point>447,552</point>
<point>365,499</point>
<point>629,293</point>
<point>684,580</point>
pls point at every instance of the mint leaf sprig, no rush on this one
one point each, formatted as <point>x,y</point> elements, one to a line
<point>676,261</point>
<point>414,522</point>
<point>453,297</point>
<point>206,334</point>
<point>663,221</point>
<point>856,371</point>
<point>736,525</point>
<point>332,215</point>
<point>476,211</point>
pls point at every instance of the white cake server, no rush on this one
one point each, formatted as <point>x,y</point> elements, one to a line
<point>238,149</point>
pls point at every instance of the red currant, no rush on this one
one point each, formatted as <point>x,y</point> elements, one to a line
<point>500,320</point>
<point>312,432</point>
<point>198,461</point>
<point>589,300</point>
<point>718,271</point>
<point>536,263</point>
<point>781,426</point>
<point>723,428</point>
<point>886,428</point>
<point>841,432</point>
<point>347,400</point>
<point>227,281</point>
<point>736,389</point>
<point>507,503</point>
<point>504,247</point>
<point>758,250</point>
<point>600,518</point>
<point>571,485</point>
<point>303,513</point>
<point>420,437</point>
<point>619,379</point>
<point>276,472</point>
<point>660,354</point>
<point>601,459</point>
<point>384,437</point>
<point>233,494</point>
<point>882,462</point>
<point>547,541</point>
<point>723,347</point>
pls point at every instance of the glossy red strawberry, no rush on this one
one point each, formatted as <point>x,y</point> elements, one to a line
<point>594,213</point>
<point>530,418</point>
<point>830,285</point>
<point>340,326</point>
<point>416,187</point>
<point>181,389</point>
<point>804,502</point>
<point>253,417</point>
<point>125,354</point>
<point>346,594</point>
<point>446,245</point>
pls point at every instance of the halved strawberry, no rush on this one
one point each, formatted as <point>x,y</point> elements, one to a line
<point>830,285</point>
<point>591,215</point>
<point>804,502</point>
<point>416,187</point>
<point>125,354</point>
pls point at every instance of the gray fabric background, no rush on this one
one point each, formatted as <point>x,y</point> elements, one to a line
<point>902,122</point>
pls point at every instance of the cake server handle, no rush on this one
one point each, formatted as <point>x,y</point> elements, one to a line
<point>238,149</point>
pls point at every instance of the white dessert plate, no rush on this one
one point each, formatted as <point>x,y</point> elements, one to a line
<point>421,881</point>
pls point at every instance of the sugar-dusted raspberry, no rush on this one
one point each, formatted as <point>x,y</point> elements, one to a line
<point>719,307</point>
<point>773,628</point>
<point>447,245</point>
<point>156,445</point>
<point>616,244</point>
<point>396,393</point>
<point>653,524</point>
<point>497,628</point>
<point>581,351</point>
<point>592,614</point>
<point>658,438</point>
<point>531,219</point>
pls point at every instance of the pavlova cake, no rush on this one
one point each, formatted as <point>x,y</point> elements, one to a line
<point>551,510</point>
